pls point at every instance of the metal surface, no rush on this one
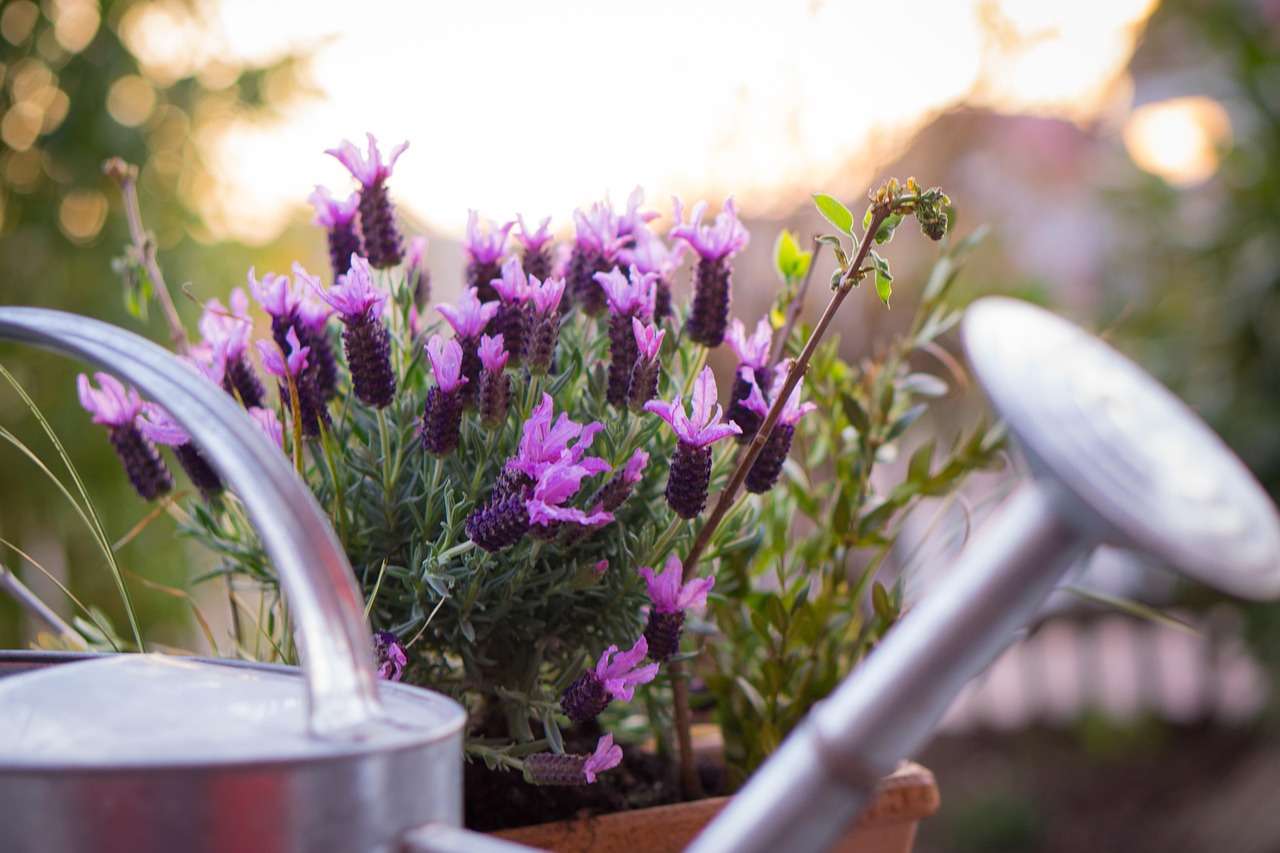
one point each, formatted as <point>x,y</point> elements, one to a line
<point>147,753</point>
<point>1117,459</point>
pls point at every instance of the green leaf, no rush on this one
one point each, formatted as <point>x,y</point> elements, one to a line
<point>791,261</point>
<point>837,247</point>
<point>918,467</point>
<point>884,281</point>
<point>880,603</point>
<point>885,232</point>
<point>907,419</point>
<point>855,413</point>
<point>834,212</point>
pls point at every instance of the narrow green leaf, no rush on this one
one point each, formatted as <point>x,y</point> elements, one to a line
<point>880,602</point>
<point>907,419</point>
<point>918,467</point>
<point>834,212</point>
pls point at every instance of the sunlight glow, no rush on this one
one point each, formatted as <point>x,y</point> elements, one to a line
<point>539,108</point>
<point>1179,139</point>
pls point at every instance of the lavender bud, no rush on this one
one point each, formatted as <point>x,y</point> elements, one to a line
<point>547,768</point>
<point>765,471</point>
<point>367,345</point>
<point>623,352</point>
<point>709,316</point>
<point>142,462</point>
<point>585,698</point>
<point>540,344</point>
<point>503,520</point>
<point>663,633</point>
<point>643,386</point>
<point>344,241</point>
<point>441,422</point>
<point>383,244</point>
<point>688,479</point>
<point>239,380</point>
<point>198,469</point>
<point>495,398</point>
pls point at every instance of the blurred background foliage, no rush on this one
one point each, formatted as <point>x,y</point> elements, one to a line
<point>73,93</point>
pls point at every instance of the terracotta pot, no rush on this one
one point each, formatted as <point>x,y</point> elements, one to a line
<point>887,826</point>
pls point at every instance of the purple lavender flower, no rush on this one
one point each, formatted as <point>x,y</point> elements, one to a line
<point>768,465</point>
<point>558,483</point>
<point>629,299</point>
<point>292,370</point>
<point>159,426</point>
<point>634,221</point>
<point>389,656</point>
<point>651,254</point>
<point>535,247</point>
<point>543,333</point>
<point>619,487</point>
<point>613,678</point>
<point>503,520</point>
<point>715,244</point>
<point>226,332</point>
<point>117,408</point>
<point>690,472</point>
<point>595,249</point>
<point>515,312</point>
<point>365,340</point>
<point>549,768</point>
<point>442,414</point>
<point>338,218</point>
<point>469,318</point>
<point>382,241</point>
<point>544,442</point>
<point>670,599</point>
<point>416,272</point>
<point>270,425</point>
<point>753,358</point>
<point>280,298</point>
<point>643,385</point>
<point>495,385</point>
<point>486,251</point>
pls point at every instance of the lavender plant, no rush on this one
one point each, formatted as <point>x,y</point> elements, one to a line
<point>507,471</point>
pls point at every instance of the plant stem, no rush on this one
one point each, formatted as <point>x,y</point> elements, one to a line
<point>798,368</point>
<point>126,175</point>
<point>680,693</point>
<point>34,605</point>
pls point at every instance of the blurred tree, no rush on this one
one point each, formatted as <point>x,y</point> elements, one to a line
<point>1201,261</point>
<point>81,81</point>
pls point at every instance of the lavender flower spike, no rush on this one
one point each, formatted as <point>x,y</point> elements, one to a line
<point>338,218</point>
<point>613,678</point>
<point>767,468</point>
<point>365,340</point>
<point>312,412</point>
<point>485,251</point>
<point>495,385</point>
<point>382,241</point>
<point>690,472</point>
<point>715,244</point>
<point>159,426</point>
<point>535,253</point>
<point>442,413</point>
<point>469,318</point>
<point>643,385</point>
<point>226,332</point>
<point>512,319</point>
<point>117,408</point>
<point>543,333</point>
<point>549,768</point>
<point>670,600</point>
<point>753,358</point>
<point>389,656</point>
<point>629,298</point>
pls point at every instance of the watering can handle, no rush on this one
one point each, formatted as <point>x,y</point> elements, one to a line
<point>333,641</point>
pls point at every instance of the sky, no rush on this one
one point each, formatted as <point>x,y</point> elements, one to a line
<point>539,108</point>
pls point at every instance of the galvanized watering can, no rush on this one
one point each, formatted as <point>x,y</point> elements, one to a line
<point>144,753</point>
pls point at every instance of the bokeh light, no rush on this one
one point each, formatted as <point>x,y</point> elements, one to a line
<point>1180,139</point>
